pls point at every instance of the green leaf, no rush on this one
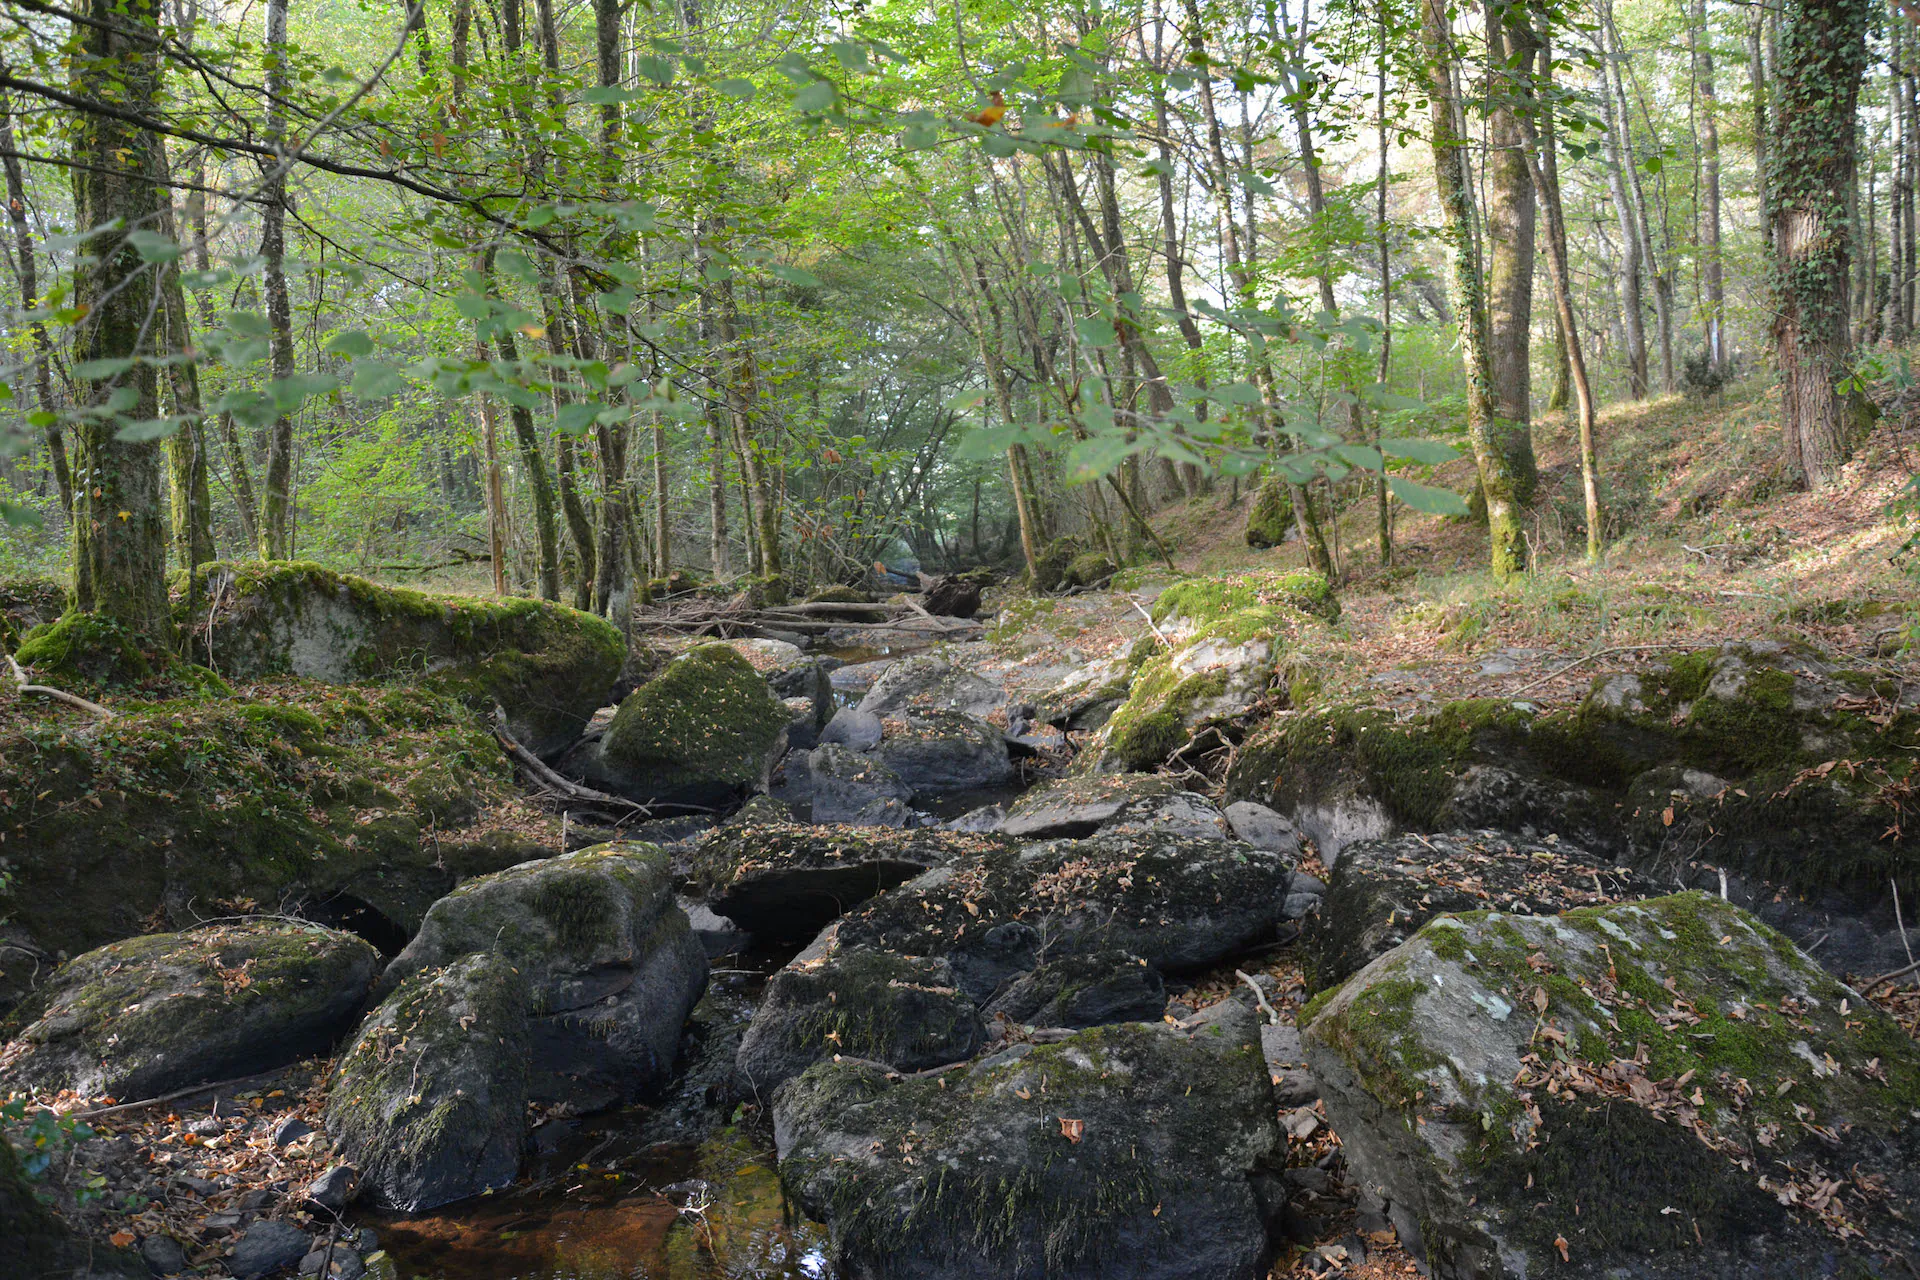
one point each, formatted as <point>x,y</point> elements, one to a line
<point>154,247</point>
<point>794,275</point>
<point>1096,331</point>
<point>658,70</point>
<point>1236,393</point>
<point>100,370</point>
<point>603,94</point>
<point>735,87</point>
<point>20,517</point>
<point>998,145</point>
<point>150,429</point>
<point>1427,498</point>
<point>352,343</point>
<point>291,392</point>
<point>376,380</point>
<point>817,96</point>
<point>574,419</point>
<point>122,399</point>
<point>1429,451</point>
<point>850,55</point>
<point>1360,456</point>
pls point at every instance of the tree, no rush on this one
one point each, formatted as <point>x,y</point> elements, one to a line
<point>276,507</point>
<point>1510,228</point>
<point>1823,57</point>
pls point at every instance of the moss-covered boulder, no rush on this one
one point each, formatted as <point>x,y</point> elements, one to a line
<point>430,1102</point>
<point>1191,605</point>
<point>1658,1089</point>
<point>935,751</point>
<point>1271,515</point>
<point>153,1014</point>
<point>1089,569</point>
<point>1136,1150</point>
<point>784,881</point>
<point>704,732</point>
<point>354,806</point>
<point>900,1010</point>
<point>1755,761</point>
<point>1050,564</point>
<point>1086,697</point>
<point>1382,891</point>
<point>1081,991</point>
<point>923,682</point>
<point>549,667</point>
<point>1218,672</point>
<point>606,956</point>
<point>791,674</point>
<point>34,1242</point>
<point>1180,904</point>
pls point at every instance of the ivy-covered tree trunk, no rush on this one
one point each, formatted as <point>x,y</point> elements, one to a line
<point>1507,546</point>
<point>1823,56</point>
<point>119,510</point>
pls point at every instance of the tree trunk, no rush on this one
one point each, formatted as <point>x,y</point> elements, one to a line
<point>1662,279</point>
<point>534,461</point>
<point>119,516</point>
<point>1823,56</point>
<point>1508,549</point>
<point>1710,162</point>
<point>1762,122</point>
<point>1632,311</point>
<point>1383,509</point>
<point>30,299</point>
<point>716,494</point>
<point>192,508</point>
<point>1510,230</point>
<point>277,504</point>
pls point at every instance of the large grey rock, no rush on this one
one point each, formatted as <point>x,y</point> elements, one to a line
<point>1663,1090</point>
<point>854,728</point>
<point>1382,891</point>
<point>903,1011</point>
<point>706,731</point>
<point>1084,991</point>
<point>785,881</point>
<point>856,789</point>
<point>935,751</point>
<point>547,666</point>
<point>608,961</point>
<point>1135,1150</point>
<point>157,1013</point>
<point>1080,806</point>
<point>430,1102</point>
<point>926,683</point>
<point>1084,699</point>
<point>1262,828</point>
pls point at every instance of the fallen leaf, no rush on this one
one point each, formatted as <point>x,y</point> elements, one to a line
<point>1666,816</point>
<point>121,1239</point>
<point>1560,1243</point>
<point>1072,1130</point>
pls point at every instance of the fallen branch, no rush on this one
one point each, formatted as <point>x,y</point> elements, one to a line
<point>1151,626</point>
<point>58,695</point>
<point>1261,996</point>
<point>1885,978</point>
<point>565,788</point>
<point>175,1096</point>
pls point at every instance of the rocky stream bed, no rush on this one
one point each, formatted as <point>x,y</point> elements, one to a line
<point>998,959</point>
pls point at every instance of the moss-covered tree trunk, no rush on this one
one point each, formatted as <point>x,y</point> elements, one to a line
<point>186,447</point>
<point>1511,216</point>
<point>1711,269</point>
<point>120,514</point>
<point>1823,56</point>
<point>25,266</point>
<point>539,479</point>
<point>1508,548</point>
<point>276,507</point>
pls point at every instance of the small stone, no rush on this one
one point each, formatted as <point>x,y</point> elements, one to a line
<point>199,1186</point>
<point>163,1255</point>
<point>339,1263</point>
<point>1262,828</point>
<point>1300,1123</point>
<point>268,1246</point>
<point>258,1198</point>
<point>332,1189</point>
<point>1295,1088</point>
<point>211,1127</point>
<point>290,1130</point>
<point>225,1221</point>
<point>366,1240</point>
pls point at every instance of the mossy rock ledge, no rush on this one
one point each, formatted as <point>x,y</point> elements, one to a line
<point>158,1013</point>
<point>607,959</point>
<point>1658,1089</point>
<point>1755,762</point>
<point>1142,1150</point>
<point>785,881</point>
<point>705,732</point>
<point>549,667</point>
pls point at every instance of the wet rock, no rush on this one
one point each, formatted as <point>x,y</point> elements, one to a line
<point>268,1246</point>
<point>289,1131</point>
<point>785,881</point>
<point>1130,1149</point>
<point>902,1011</point>
<point>855,789</point>
<point>926,683</point>
<point>445,1119</point>
<point>706,731</point>
<point>935,751</point>
<point>853,728</point>
<point>158,1013</point>
<point>548,666</point>
<point>1178,903</point>
<point>163,1255</point>
<point>608,961</point>
<point>1083,991</point>
<point>334,1188</point>
<point>1654,1089</point>
<point>988,817</point>
<point>1262,828</point>
<point>718,935</point>
<point>1382,891</point>
<point>341,1262</point>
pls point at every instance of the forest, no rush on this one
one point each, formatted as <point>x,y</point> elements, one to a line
<point>1038,638</point>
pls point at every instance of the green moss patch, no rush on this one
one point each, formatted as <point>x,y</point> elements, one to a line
<point>707,724</point>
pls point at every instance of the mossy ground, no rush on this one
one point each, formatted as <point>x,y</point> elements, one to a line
<point>1202,601</point>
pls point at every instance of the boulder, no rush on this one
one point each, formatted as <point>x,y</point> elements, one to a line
<point>934,751</point>
<point>1658,1089</point>
<point>705,732</point>
<point>852,728</point>
<point>923,682</point>
<point>856,789</point>
<point>952,597</point>
<point>268,1246</point>
<point>1136,1150</point>
<point>1193,605</point>
<point>1083,991</point>
<point>1270,518</point>
<point>1086,698</point>
<point>791,674</point>
<point>1382,891</point>
<point>899,1010</point>
<point>1081,806</point>
<point>1180,904</point>
<point>608,961</point>
<point>1262,828</point>
<point>786,881</point>
<point>153,1014</point>
<point>27,603</point>
<point>547,666</point>
<point>430,1102</point>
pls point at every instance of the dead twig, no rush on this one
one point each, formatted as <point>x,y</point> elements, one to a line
<point>565,788</point>
<point>1273,1017</point>
<point>1885,978</point>
<point>58,695</point>
<point>1578,662</point>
